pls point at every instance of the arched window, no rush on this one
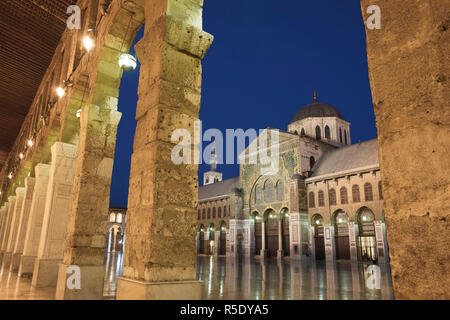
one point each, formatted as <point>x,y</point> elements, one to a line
<point>340,135</point>
<point>119,218</point>
<point>345,136</point>
<point>332,197</point>
<point>380,190</point>
<point>214,212</point>
<point>355,193</point>
<point>368,194</point>
<point>311,200</point>
<point>112,217</point>
<point>199,215</point>
<point>258,194</point>
<point>302,132</point>
<point>318,133</point>
<point>204,214</point>
<point>321,199</point>
<point>312,162</point>
<point>296,132</point>
<point>344,197</point>
<point>280,191</point>
<point>268,191</point>
<point>219,212</point>
<point>225,211</point>
<point>209,213</point>
<point>327,132</point>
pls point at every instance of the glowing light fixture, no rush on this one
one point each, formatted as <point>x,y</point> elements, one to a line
<point>30,143</point>
<point>21,156</point>
<point>60,92</point>
<point>364,218</point>
<point>79,113</point>
<point>10,176</point>
<point>88,43</point>
<point>127,62</point>
<point>340,220</point>
<point>317,222</point>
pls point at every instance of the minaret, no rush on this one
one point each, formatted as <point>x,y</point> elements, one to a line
<point>212,176</point>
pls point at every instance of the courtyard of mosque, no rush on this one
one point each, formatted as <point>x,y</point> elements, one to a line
<point>246,279</point>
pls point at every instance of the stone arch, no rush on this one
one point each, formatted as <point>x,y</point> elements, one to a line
<point>318,133</point>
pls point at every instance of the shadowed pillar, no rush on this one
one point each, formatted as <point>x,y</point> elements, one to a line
<point>22,225</point>
<point>5,209</point>
<point>34,225</point>
<point>409,76</point>
<point>5,236</point>
<point>56,215</point>
<point>160,255</point>
<point>20,193</point>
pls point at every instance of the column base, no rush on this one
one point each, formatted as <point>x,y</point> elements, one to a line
<point>15,262</point>
<point>45,273</point>
<point>26,266</point>
<point>263,253</point>
<point>129,289</point>
<point>91,283</point>
<point>280,254</point>
<point>7,257</point>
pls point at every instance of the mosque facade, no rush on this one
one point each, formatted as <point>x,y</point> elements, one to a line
<point>324,201</point>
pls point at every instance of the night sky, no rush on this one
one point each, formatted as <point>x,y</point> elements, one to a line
<point>266,60</point>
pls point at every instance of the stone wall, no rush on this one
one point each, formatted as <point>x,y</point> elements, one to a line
<point>409,74</point>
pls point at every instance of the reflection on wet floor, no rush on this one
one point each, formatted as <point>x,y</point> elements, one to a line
<point>275,280</point>
<point>248,279</point>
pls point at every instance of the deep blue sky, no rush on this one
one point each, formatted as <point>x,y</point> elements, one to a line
<point>267,58</point>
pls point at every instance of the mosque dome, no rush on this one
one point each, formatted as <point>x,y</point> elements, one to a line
<point>316,110</point>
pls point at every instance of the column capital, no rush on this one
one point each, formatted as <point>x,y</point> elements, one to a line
<point>42,170</point>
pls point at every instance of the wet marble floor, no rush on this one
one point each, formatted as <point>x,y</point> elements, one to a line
<point>248,279</point>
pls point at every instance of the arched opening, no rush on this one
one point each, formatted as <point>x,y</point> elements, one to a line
<point>319,240</point>
<point>327,132</point>
<point>340,135</point>
<point>269,192</point>
<point>280,190</point>
<point>271,219</point>
<point>284,215</point>
<point>258,232</point>
<point>223,238</point>
<point>367,243</point>
<point>211,249</point>
<point>201,239</point>
<point>302,132</point>
<point>341,235</point>
<point>345,137</point>
<point>318,133</point>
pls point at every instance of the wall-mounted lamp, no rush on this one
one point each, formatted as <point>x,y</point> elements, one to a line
<point>21,155</point>
<point>78,114</point>
<point>30,142</point>
<point>10,176</point>
<point>88,43</point>
<point>127,62</point>
<point>60,92</point>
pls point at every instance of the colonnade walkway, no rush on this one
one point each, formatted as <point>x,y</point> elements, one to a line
<point>250,279</point>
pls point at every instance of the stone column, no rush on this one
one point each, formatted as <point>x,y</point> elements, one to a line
<point>280,252</point>
<point>56,215</point>
<point>330,254</point>
<point>352,234</point>
<point>163,195</point>
<point>20,193</point>
<point>312,243</point>
<point>263,252</point>
<point>85,241</point>
<point>248,228</point>
<point>3,227</point>
<point>409,76</point>
<point>114,241</point>
<point>23,223</point>
<point>381,244</point>
<point>34,225</point>
<point>295,236</point>
<point>7,228</point>
<point>217,243</point>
